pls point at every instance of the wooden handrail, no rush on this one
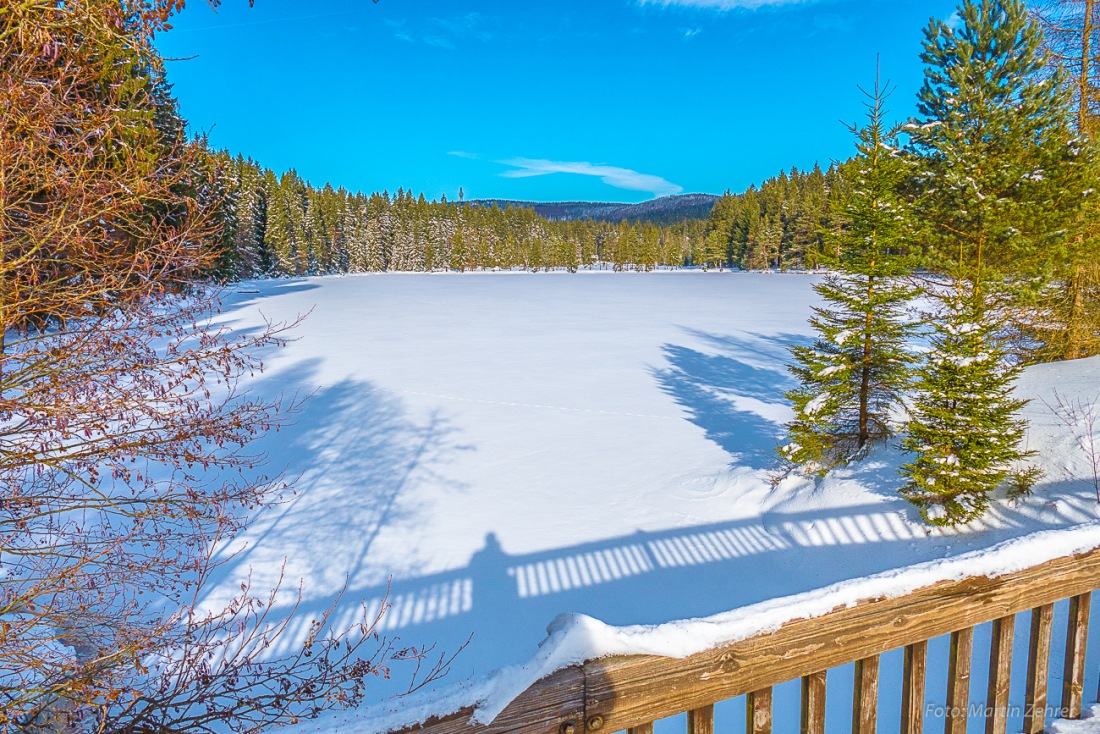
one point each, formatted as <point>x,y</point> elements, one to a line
<point>630,692</point>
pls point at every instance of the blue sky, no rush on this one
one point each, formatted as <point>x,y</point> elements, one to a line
<point>612,100</point>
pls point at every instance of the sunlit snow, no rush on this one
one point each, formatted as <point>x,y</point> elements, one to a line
<point>503,448</point>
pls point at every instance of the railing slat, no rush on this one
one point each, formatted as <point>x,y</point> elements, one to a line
<point>865,697</point>
<point>912,691</point>
<point>1000,674</point>
<point>758,711</point>
<point>701,720</point>
<point>1038,669</point>
<point>958,680</point>
<point>641,729</point>
<point>813,703</point>
<point>1073,680</point>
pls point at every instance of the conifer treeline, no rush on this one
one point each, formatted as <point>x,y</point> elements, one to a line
<point>282,226</point>
<point>782,224</point>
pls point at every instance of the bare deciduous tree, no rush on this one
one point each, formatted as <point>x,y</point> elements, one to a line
<point>122,423</point>
<point>1082,418</point>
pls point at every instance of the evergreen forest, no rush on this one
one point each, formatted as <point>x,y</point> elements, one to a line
<point>280,226</point>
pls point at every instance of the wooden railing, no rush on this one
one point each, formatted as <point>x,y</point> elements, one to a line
<point>630,693</point>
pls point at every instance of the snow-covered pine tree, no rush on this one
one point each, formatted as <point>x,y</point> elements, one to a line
<point>715,243</point>
<point>252,255</point>
<point>963,427</point>
<point>852,376</point>
<point>1067,323</point>
<point>996,191</point>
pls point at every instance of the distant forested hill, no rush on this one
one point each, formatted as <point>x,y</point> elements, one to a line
<point>665,210</point>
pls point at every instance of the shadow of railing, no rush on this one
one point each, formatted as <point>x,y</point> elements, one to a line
<point>835,544</point>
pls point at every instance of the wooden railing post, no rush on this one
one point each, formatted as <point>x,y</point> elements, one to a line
<point>813,703</point>
<point>1073,680</point>
<point>1000,674</point>
<point>1038,668</point>
<point>912,690</point>
<point>701,720</point>
<point>958,680</point>
<point>758,712</point>
<point>865,696</point>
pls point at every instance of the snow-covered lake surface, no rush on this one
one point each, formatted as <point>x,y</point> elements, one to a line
<point>503,448</point>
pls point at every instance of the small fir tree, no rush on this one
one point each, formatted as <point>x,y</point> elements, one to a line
<point>853,375</point>
<point>963,432</point>
<point>999,180</point>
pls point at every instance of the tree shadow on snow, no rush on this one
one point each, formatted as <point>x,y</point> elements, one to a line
<point>735,393</point>
<point>355,460</point>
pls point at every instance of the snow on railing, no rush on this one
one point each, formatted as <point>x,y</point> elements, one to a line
<point>590,677</point>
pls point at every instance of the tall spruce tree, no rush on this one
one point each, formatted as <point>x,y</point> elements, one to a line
<point>853,375</point>
<point>996,183</point>
<point>1067,323</point>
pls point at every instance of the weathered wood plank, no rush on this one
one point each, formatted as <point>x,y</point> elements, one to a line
<point>865,696</point>
<point>1000,675</point>
<point>1038,669</point>
<point>641,729</point>
<point>813,703</point>
<point>553,705</point>
<point>701,720</point>
<point>912,688</point>
<point>958,680</point>
<point>1073,679</point>
<point>758,712</point>
<point>635,689</point>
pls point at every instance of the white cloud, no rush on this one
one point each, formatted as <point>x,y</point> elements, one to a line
<point>473,24</point>
<point>447,33</point>
<point>954,21</point>
<point>620,178</point>
<point>438,42</point>
<point>691,32</point>
<point>462,154</point>
<point>724,5</point>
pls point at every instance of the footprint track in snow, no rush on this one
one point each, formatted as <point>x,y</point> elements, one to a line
<point>538,406</point>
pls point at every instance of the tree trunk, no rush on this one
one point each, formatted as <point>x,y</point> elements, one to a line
<point>865,372</point>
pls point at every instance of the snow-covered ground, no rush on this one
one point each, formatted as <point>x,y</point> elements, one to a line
<point>503,448</point>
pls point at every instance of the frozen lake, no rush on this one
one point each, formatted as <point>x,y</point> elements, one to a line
<point>506,447</point>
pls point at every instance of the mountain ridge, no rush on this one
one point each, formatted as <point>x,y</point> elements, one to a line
<point>662,210</point>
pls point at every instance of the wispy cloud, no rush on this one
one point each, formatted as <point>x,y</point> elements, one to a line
<point>467,25</point>
<point>723,5</point>
<point>691,32</point>
<point>462,154</point>
<point>954,21</point>
<point>620,178</point>
<point>438,42</point>
<point>447,33</point>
